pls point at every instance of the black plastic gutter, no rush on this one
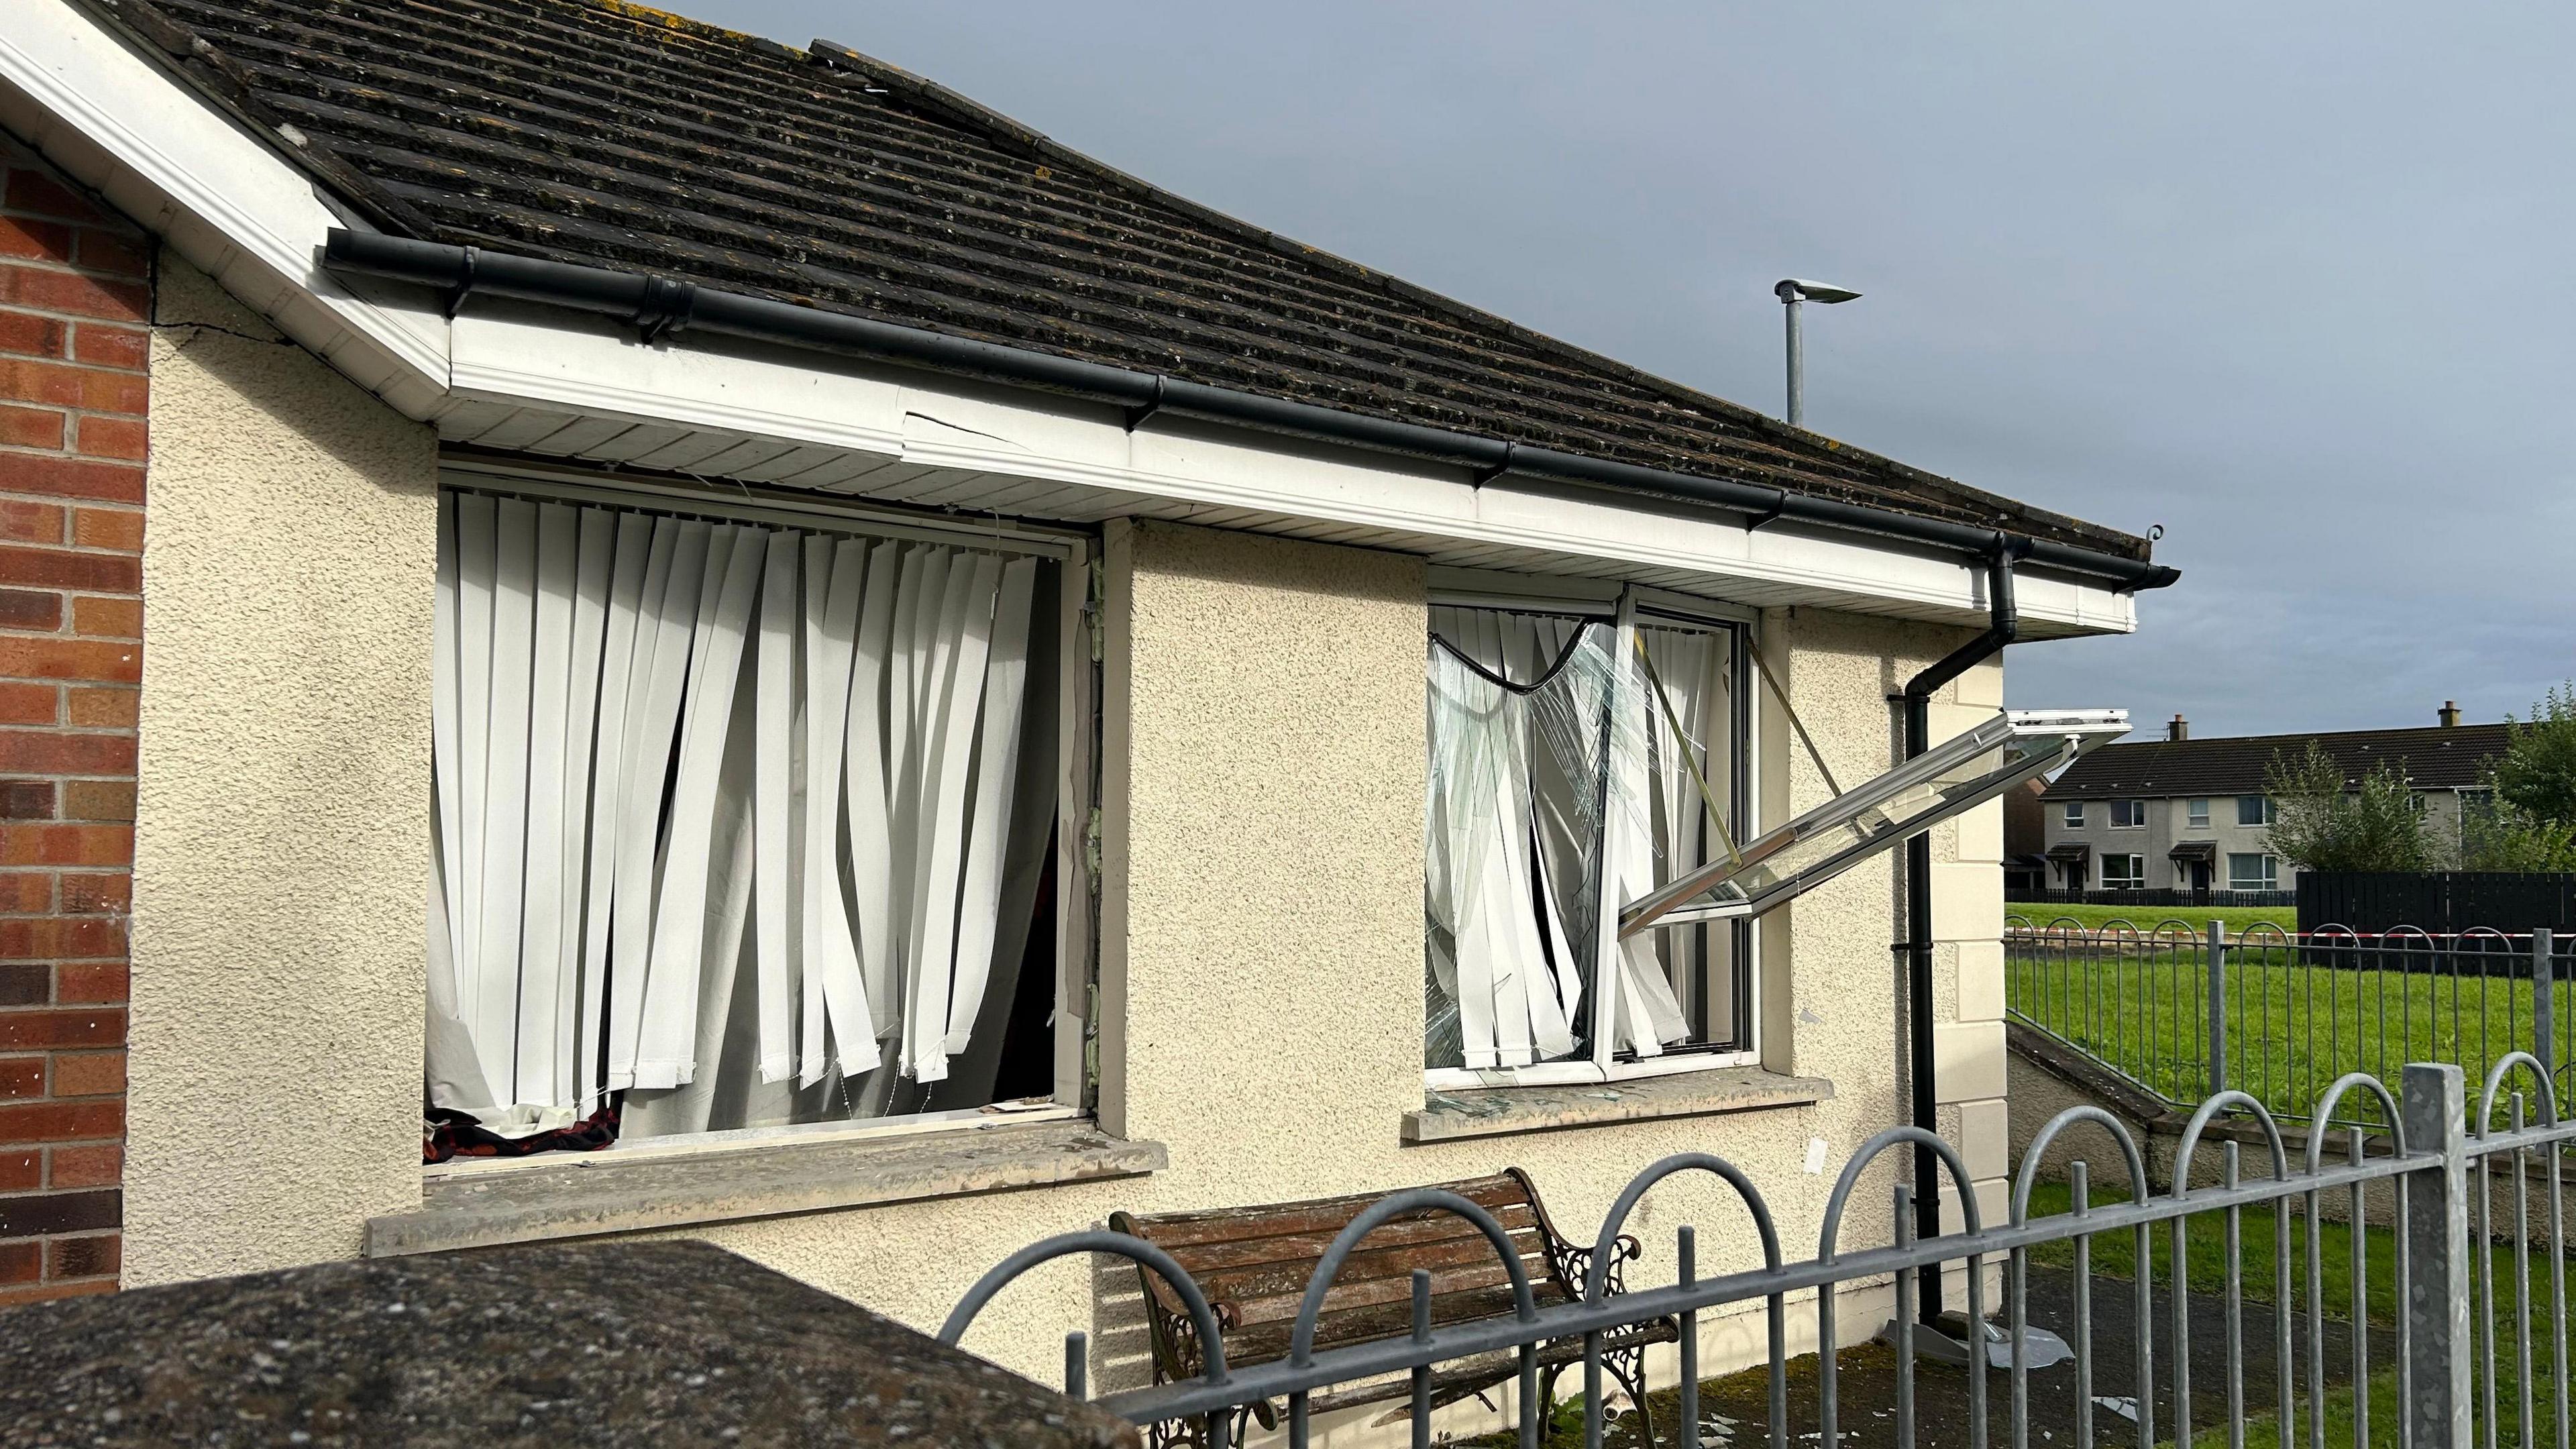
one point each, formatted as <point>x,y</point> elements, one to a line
<point>2002,628</point>
<point>661,306</point>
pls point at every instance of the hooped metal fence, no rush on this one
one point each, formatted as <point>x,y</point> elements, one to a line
<point>2427,1348</point>
<point>2185,1010</point>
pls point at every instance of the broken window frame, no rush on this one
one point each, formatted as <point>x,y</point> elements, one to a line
<point>1625,611</point>
<point>2062,736</point>
<point>1073,692</point>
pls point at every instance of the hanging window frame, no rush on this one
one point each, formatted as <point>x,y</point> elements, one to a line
<point>1073,1089</point>
<point>1626,610</point>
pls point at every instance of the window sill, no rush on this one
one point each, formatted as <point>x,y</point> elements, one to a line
<point>580,1196</point>
<point>1501,1111</point>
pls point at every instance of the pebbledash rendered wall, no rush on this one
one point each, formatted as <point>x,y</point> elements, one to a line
<point>1261,980</point>
<point>284,792</point>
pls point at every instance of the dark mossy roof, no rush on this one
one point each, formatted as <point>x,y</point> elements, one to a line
<point>611,135</point>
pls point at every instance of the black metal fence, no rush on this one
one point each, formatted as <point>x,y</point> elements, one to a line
<point>2185,1010</point>
<point>2161,897</point>
<point>2444,1340</point>
<point>2441,902</point>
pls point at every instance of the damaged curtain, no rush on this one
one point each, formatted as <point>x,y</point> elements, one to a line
<point>731,818</point>
<point>1551,756</point>
<point>1538,761</point>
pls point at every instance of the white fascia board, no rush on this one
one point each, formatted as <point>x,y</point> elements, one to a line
<point>253,220</point>
<point>116,122</point>
<point>539,358</point>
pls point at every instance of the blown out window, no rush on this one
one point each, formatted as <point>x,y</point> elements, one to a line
<point>737,823</point>
<point>1578,763</point>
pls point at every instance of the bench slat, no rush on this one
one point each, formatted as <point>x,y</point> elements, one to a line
<point>1325,1215</point>
<point>1277,1291</point>
<point>1208,1260</point>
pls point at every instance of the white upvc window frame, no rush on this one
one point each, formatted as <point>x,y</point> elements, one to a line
<point>1077,745</point>
<point>2267,863</point>
<point>1622,609</point>
<point>2264,811</point>
<point>2136,811</point>
<point>2137,882</point>
<point>2073,816</point>
<point>2195,814</point>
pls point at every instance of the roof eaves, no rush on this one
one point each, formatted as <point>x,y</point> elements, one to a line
<point>199,63</point>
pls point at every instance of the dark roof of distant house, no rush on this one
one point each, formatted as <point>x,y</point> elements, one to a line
<point>607,134</point>
<point>2433,758</point>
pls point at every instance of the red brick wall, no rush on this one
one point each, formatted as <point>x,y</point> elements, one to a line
<point>75,288</point>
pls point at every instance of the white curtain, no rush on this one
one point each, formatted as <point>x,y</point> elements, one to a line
<point>1515,830</point>
<point>722,811</point>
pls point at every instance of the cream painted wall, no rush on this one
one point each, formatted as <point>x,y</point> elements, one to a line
<point>283,791</point>
<point>1261,967</point>
<point>1261,950</point>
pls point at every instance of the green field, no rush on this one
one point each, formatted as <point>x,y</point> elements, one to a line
<point>2142,1006</point>
<point>2147,918</point>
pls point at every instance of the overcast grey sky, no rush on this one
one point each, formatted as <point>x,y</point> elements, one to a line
<point>2288,279</point>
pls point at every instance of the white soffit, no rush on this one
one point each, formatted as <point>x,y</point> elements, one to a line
<point>563,387</point>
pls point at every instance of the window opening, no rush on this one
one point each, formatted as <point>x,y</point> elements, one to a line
<point>736,825</point>
<point>1566,769</point>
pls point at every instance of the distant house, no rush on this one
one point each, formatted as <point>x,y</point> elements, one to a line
<point>2186,814</point>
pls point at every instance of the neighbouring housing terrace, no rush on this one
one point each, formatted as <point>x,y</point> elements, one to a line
<point>2192,814</point>
<point>713,638</point>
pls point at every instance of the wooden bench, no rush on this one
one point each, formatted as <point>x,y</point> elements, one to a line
<point>1253,1265</point>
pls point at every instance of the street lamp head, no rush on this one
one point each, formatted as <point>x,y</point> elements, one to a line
<point>1794,289</point>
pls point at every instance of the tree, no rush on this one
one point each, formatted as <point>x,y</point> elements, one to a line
<point>2536,778</point>
<point>2323,822</point>
<point>2496,836</point>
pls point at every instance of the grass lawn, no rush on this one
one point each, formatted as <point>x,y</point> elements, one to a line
<point>2293,1027</point>
<point>2147,918</point>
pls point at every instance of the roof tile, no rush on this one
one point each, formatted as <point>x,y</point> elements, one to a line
<point>2433,758</point>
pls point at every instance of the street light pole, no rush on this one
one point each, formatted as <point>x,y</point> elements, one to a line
<point>1797,358</point>
<point>1791,292</point>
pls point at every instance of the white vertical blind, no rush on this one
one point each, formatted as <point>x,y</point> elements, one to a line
<point>718,803</point>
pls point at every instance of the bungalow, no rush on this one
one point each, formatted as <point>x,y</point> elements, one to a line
<point>729,614</point>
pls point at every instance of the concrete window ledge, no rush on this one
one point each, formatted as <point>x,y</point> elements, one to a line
<point>1498,1111</point>
<point>578,1196</point>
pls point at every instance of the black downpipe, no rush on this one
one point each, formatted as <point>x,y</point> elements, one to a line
<point>661,307</point>
<point>2003,627</point>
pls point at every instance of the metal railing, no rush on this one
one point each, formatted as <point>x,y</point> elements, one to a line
<point>2150,897</point>
<point>2453,1385</point>
<point>2185,1010</point>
